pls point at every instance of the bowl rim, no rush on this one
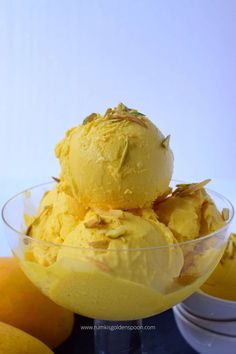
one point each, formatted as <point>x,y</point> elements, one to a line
<point>174,245</point>
<point>190,315</point>
<point>221,336</point>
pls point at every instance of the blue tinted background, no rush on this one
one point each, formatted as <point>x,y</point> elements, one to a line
<point>173,60</point>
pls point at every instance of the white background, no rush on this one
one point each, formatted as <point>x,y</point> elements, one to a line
<point>63,59</point>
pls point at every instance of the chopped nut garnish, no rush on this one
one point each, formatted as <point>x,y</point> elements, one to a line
<point>136,113</point>
<point>99,243</point>
<point>128,117</point>
<point>117,213</point>
<point>122,107</point>
<point>121,112</point>
<point>29,229</point>
<point>90,118</point>
<point>108,112</point>
<point>94,222</point>
<point>183,190</point>
<point>115,233</point>
<point>124,153</point>
<point>56,179</point>
<point>225,214</point>
<point>166,142</point>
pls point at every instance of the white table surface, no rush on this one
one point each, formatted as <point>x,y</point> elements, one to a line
<point>225,187</point>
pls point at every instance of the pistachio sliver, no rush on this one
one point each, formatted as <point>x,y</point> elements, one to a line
<point>108,112</point>
<point>124,153</point>
<point>122,107</point>
<point>136,113</point>
<point>56,179</point>
<point>90,118</point>
<point>166,142</point>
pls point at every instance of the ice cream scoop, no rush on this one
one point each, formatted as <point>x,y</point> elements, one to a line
<point>110,257</point>
<point>112,267</point>
<point>123,245</point>
<point>58,214</point>
<point>190,214</point>
<point>120,160</point>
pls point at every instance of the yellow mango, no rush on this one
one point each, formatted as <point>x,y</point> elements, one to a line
<point>23,306</point>
<point>15,341</point>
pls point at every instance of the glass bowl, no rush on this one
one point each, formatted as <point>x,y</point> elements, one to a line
<point>112,284</point>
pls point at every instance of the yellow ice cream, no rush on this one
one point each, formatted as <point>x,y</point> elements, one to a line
<point>116,249</point>
<point>127,243</point>
<point>222,282</point>
<point>120,160</point>
<point>189,216</point>
<point>211,219</point>
<point>108,266</point>
<point>190,213</point>
<point>96,293</point>
<point>57,216</point>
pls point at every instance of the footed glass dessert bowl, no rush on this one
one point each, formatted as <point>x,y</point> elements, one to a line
<point>114,283</point>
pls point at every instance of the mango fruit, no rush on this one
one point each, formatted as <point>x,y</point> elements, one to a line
<point>15,341</point>
<point>23,306</point>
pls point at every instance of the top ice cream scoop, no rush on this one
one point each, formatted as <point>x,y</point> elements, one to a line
<point>120,160</point>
